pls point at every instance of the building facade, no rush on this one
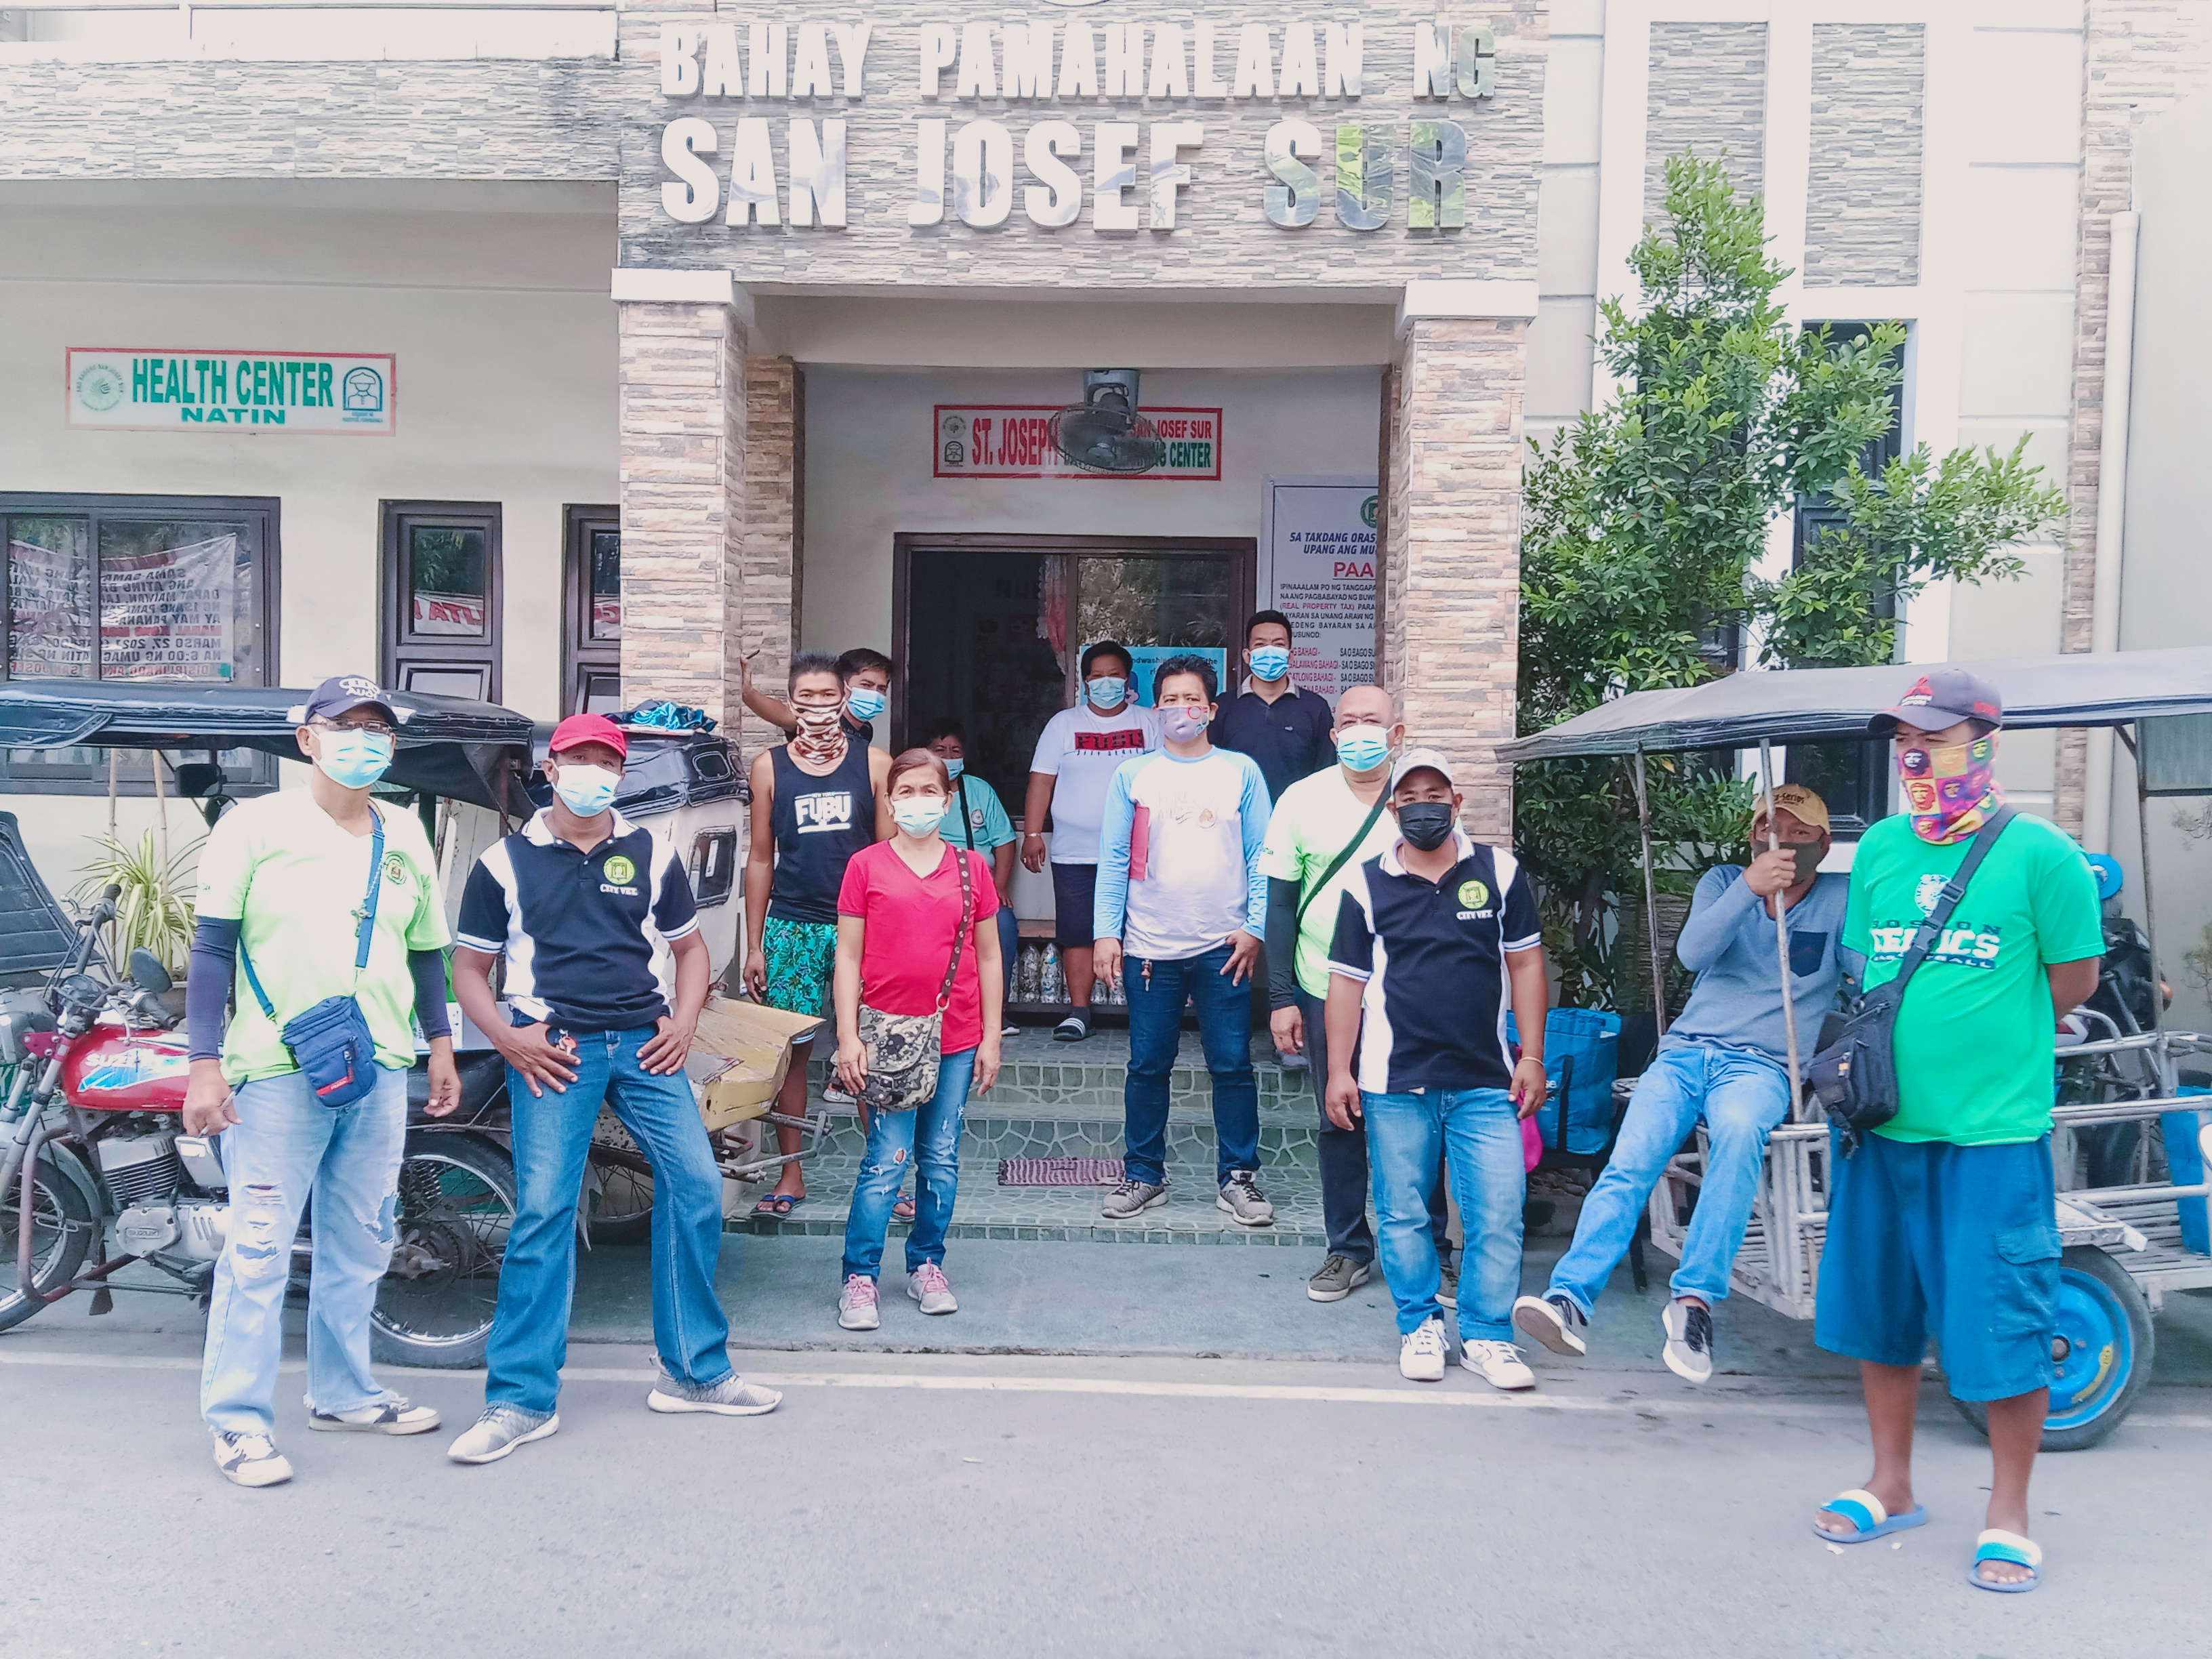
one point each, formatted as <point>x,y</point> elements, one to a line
<point>579,355</point>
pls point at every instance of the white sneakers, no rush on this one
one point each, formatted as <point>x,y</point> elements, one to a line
<point>1421,1359</point>
<point>1421,1353</point>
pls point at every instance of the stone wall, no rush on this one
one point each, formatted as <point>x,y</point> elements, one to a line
<point>774,426</point>
<point>1863,191</point>
<point>1708,93</point>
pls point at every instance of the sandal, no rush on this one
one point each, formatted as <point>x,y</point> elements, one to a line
<point>776,1206</point>
<point>903,1210</point>
<point>1998,1544</point>
<point>1864,1511</point>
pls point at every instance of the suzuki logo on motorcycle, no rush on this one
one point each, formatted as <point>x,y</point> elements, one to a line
<point>138,1065</point>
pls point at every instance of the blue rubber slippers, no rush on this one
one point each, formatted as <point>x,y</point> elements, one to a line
<point>1998,1544</point>
<point>1864,1511</point>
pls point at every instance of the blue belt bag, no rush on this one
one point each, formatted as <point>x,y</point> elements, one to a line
<point>331,1042</point>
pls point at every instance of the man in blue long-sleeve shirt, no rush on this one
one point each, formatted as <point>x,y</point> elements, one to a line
<point>1180,912</point>
<point>1726,1059</point>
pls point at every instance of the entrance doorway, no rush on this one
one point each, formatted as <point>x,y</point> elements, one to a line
<point>990,629</point>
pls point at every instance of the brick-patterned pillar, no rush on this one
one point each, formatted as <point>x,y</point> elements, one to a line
<point>1452,567</point>
<point>774,420</point>
<point>682,470</point>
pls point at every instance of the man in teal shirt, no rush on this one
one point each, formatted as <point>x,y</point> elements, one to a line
<point>1942,1219</point>
<point>975,819</point>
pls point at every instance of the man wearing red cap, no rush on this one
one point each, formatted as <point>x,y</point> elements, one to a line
<point>605,976</point>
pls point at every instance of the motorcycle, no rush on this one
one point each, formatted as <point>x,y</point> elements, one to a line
<point>93,1161</point>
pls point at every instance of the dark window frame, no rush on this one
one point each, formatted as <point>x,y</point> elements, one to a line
<point>259,774</point>
<point>583,659</point>
<point>401,649</point>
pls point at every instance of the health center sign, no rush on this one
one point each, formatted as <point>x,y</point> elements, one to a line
<point>171,389</point>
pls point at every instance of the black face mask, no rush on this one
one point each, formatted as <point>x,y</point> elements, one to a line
<point>1809,856</point>
<point>1427,823</point>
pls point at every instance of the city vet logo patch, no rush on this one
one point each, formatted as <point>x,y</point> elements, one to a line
<point>619,869</point>
<point>1472,896</point>
<point>1927,892</point>
<point>395,867</point>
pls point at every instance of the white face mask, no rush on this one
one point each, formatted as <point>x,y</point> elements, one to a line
<point>586,791</point>
<point>918,814</point>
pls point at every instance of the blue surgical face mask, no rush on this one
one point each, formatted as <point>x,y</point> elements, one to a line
<point>918,814</point>
<point>586,791</point>
<point>1107,691</point>
<point>1362,748</point>
<point>954,767</point>
<point>353,760</point>
<point>866,703</point>
<point>1270,662</point>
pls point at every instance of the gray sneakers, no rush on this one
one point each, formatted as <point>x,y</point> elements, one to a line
<point>250,1459</point>
<point>729,1397</point>
<point>391,1415</point>
<point>1340,1276</point>
<point>1553,1321</point>
<point>1689,1347</point>
<point>499,1431</point>
<point>1132,1197</point>
<point>1242,1198</point>
<point>928,1285</point>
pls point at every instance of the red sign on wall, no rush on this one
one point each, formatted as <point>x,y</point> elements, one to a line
<point>1014,440</point>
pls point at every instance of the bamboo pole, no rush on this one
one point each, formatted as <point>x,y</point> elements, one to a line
<point>114,775</point>
<point>162,809</point>
<point>1781,927</point>
<point>1651,899</point>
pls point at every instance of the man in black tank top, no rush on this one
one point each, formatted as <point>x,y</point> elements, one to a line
<point>817,800</point>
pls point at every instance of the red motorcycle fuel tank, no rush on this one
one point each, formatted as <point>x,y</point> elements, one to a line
<point>112,1068</point>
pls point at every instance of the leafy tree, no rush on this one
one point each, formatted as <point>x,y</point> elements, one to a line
<point>1644,520</point>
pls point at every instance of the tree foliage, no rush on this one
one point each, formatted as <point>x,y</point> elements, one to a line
<point>1645,518</point>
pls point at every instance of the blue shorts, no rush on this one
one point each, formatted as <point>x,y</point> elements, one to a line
<point>1959,1241</point>
<point>1074,891</point>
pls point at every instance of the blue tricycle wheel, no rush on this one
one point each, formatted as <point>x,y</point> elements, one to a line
<point>2103,1354</point>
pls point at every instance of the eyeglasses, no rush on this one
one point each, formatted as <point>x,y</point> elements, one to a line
<point>372,728</point>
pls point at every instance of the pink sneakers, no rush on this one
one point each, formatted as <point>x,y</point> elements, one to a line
<point>856,1305</point>
<point>928,1285</point>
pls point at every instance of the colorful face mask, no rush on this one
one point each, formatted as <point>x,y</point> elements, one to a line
<point>1950,792</point>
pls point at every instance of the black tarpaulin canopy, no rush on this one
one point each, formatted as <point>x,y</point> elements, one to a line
<point>1814,705</point>
<point>447,746</point>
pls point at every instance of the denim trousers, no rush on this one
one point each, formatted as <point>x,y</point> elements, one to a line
<point>537,1281</point>
<point>928,1139</point>
<point>1474,1135</point>
<point>1157,991</point>
<point>1342,1156</point>
<point>286,1148</point>
<point>1742,1095</point>
<point>1010,945</point>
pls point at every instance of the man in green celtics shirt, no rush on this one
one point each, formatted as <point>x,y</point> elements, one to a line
<point>1942,1219</point>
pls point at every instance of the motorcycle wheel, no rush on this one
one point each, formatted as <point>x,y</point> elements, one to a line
<point>456,1206</point>
<point>61,1237</point>
<point>621,1209</point>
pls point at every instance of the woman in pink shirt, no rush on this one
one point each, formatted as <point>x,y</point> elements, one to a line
<point>899,913</point>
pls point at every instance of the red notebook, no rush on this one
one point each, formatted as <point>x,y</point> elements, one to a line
<point>1140,838</point>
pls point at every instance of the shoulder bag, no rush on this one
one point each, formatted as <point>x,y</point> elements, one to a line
<point>1358,840</point>
<point>331,1042</point>
<point>903,1049</point>
<point>1854,1075</point>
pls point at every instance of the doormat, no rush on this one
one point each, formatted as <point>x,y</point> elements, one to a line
<point>1059,1171</point>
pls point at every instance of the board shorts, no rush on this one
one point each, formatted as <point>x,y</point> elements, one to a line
<point>1960,1243</point>
<point>1074,891</point>
<point>800,957</point>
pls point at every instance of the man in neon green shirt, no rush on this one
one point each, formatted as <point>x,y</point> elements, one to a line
<point>1322,829</point>
<point>1942,1219</point>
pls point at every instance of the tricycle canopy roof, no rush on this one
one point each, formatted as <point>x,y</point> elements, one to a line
<point>447,746</point>
<point>1821,705</point>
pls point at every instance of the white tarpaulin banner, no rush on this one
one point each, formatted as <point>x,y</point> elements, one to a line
<point>1321,574</point>
<point>168,615</point>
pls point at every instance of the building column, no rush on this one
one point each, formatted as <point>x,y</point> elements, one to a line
<point>682,428</point>
<point>775,509</point>
<point>1451,581</point>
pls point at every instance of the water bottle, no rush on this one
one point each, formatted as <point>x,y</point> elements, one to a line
<point>1030,976</point>
<point>1054,988</point>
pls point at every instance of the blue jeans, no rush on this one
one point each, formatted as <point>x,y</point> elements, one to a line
<point>927,1137</point>
<point>1224,1030</point>
<point>285,1147</point>
<point>1010,945</point>
<point>537,1282</point>
<point>1741,1095</point>
<point>1474,1135</point>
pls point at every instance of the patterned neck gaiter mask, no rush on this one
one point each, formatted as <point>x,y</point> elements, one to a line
<point>821,734</point>
<point>1951,792</point>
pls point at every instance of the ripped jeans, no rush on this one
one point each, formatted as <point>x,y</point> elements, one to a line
<point>286,1147</point>
<point>928,1137</point>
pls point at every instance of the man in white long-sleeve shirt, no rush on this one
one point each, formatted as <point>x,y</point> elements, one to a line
<point>1726,1060</point>
<point>1181,909</point>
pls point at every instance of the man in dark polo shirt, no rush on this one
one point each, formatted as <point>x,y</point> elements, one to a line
<point>605,977</point>
<point>1285,729</point>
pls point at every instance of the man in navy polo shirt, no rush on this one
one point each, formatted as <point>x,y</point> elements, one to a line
<point>1436,940</point>
<point>591,915</point>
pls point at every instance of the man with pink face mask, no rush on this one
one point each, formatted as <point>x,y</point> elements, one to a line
<point>1942,1221</point>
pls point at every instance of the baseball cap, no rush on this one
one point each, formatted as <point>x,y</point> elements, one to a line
<point>341,694</point>
<point>579,729</point>
<point>1797,799</point>
<point>1941,697</point>
<point>1414,760</point>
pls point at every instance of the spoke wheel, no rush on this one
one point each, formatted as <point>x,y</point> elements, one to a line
<point>61,1237</point>
<point>457,1207</point>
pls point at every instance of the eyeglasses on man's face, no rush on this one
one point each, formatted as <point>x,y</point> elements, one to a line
<point>370,727</point>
